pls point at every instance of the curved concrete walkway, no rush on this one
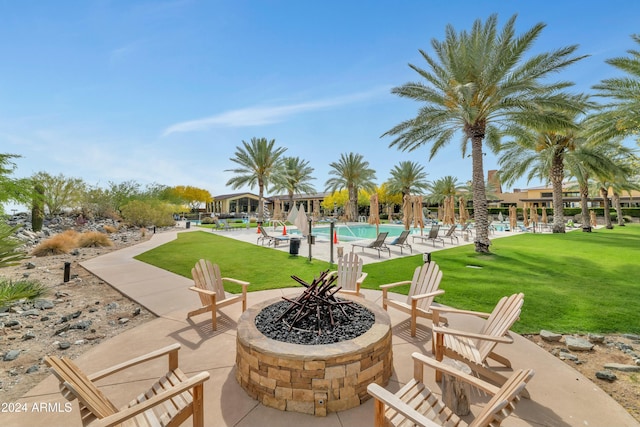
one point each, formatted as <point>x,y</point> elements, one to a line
<point>560,396</point>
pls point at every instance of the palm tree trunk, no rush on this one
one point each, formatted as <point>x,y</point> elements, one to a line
<point>556,176</point>
<point>604,193</point>
<point>584,206</point>
<point>352,212</point>
<point>618,207</point>
<point>480,212</point>
<point>260,203</point>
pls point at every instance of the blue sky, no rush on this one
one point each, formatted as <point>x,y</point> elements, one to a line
<point>164,91</point>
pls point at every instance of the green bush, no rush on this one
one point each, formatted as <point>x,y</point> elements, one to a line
<point>146,213</point>
<point>14,291</point>
<point>207,220</point>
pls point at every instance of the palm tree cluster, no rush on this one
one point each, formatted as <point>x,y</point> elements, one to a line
<point>483,85</point>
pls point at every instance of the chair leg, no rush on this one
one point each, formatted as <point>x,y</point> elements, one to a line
<point>198,406</point>
<point>378,417</point>
<point>438,348</point>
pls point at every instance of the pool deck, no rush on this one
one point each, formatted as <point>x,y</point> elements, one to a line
<point>560,396</point>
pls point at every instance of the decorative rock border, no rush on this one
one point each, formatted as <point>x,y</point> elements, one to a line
<point>313,379</point>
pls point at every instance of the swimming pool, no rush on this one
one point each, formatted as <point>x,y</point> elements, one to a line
<point>359,232</point>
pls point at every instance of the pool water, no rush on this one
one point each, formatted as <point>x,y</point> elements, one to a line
<point>360,232</point>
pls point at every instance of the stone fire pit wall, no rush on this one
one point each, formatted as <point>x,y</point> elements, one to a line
<point>312,379</point>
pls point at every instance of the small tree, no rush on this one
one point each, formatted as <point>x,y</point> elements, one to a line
<point>10,254</point>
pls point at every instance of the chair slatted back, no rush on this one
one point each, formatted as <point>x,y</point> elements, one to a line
<point>402,238</point>
<point>503,316</point>
<point>76,382</point>
<point>379,240</point>
<point>207,276</point>
<point>451,230</point>
<point>426,279</point>
<point>433,232</point>
<point>349,271</point>
<point>503,403</point>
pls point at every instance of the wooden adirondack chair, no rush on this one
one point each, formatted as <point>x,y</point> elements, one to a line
<point>475,348</point>
<point>350,275</point>
<point>424,288</point>
<point>415,404</point>
<point>209,284</point>
<point>168,402</point>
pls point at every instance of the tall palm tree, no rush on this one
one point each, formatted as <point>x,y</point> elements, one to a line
<point>293,176</point>
<point>478,81</point>
<point>621,116</point>
<point>351,172</point>
<point>257,160</point>
<point>541,153</point>
<point>407,177</point>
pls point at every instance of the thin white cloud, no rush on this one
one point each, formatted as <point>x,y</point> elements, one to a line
<point>264,115</point>
<point>123,52</point>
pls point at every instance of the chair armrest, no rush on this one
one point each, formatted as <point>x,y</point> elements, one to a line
<point>362,277</point>
<point>458,311</point>
<point>398,405</point>
<point>393,285</point>
<point>202,291</point>
<point>173,348</point>
<point>236,281</point>
<point>450,370</point>
<point>127,413</point>
<point>427,295</point>
<point>446,331</point>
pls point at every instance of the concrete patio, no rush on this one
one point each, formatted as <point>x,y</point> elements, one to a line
<point>560,396</point>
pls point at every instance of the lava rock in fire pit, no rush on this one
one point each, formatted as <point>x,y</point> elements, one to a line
<point>358,321</point>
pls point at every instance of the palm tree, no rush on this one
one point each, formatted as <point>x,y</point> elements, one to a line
<point>293,176</point>
<point>478,81</point>
<point>351,172</point>
<point>407,177</point>
<point>541,153</point>
<point>621,116</point>
<point>442,188</point>
<point>258,160</point>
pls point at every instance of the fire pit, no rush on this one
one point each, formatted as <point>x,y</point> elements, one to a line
<point>325,366</point>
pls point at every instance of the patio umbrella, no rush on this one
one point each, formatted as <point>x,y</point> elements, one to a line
<point>449,211</point>
<point>417,213</point>
<point>316,209</point>
<point>592,218</point>
<point>500,217</point>
<point>545,220</point>
<point>462,208</point>
<point>374,212</point>
<point>293,213</point>
<point>525,220</point>
<point>276,209</point>
<point>301,221</point>
<point>534,215</point>
<point>407,211</point>
<point>513,217</point>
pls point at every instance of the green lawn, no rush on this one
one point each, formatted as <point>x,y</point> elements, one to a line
<point>575,282</point>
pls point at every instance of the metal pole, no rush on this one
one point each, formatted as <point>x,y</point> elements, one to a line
<point>67,271</point>
<point>310,239</point>
<point>331,231</point>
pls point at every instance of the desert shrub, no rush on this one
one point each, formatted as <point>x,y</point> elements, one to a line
<point>14,291</point>
<point>627,218</point>
<point>59,244</point>
<point>253,220</point>
<point>207,220</point>
<point>10,252</point>
<point>145,213</point>
<point>93,239</point>
<point>109,229</point>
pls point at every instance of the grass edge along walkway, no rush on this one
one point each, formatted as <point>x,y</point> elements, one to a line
<point>573,283</point>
